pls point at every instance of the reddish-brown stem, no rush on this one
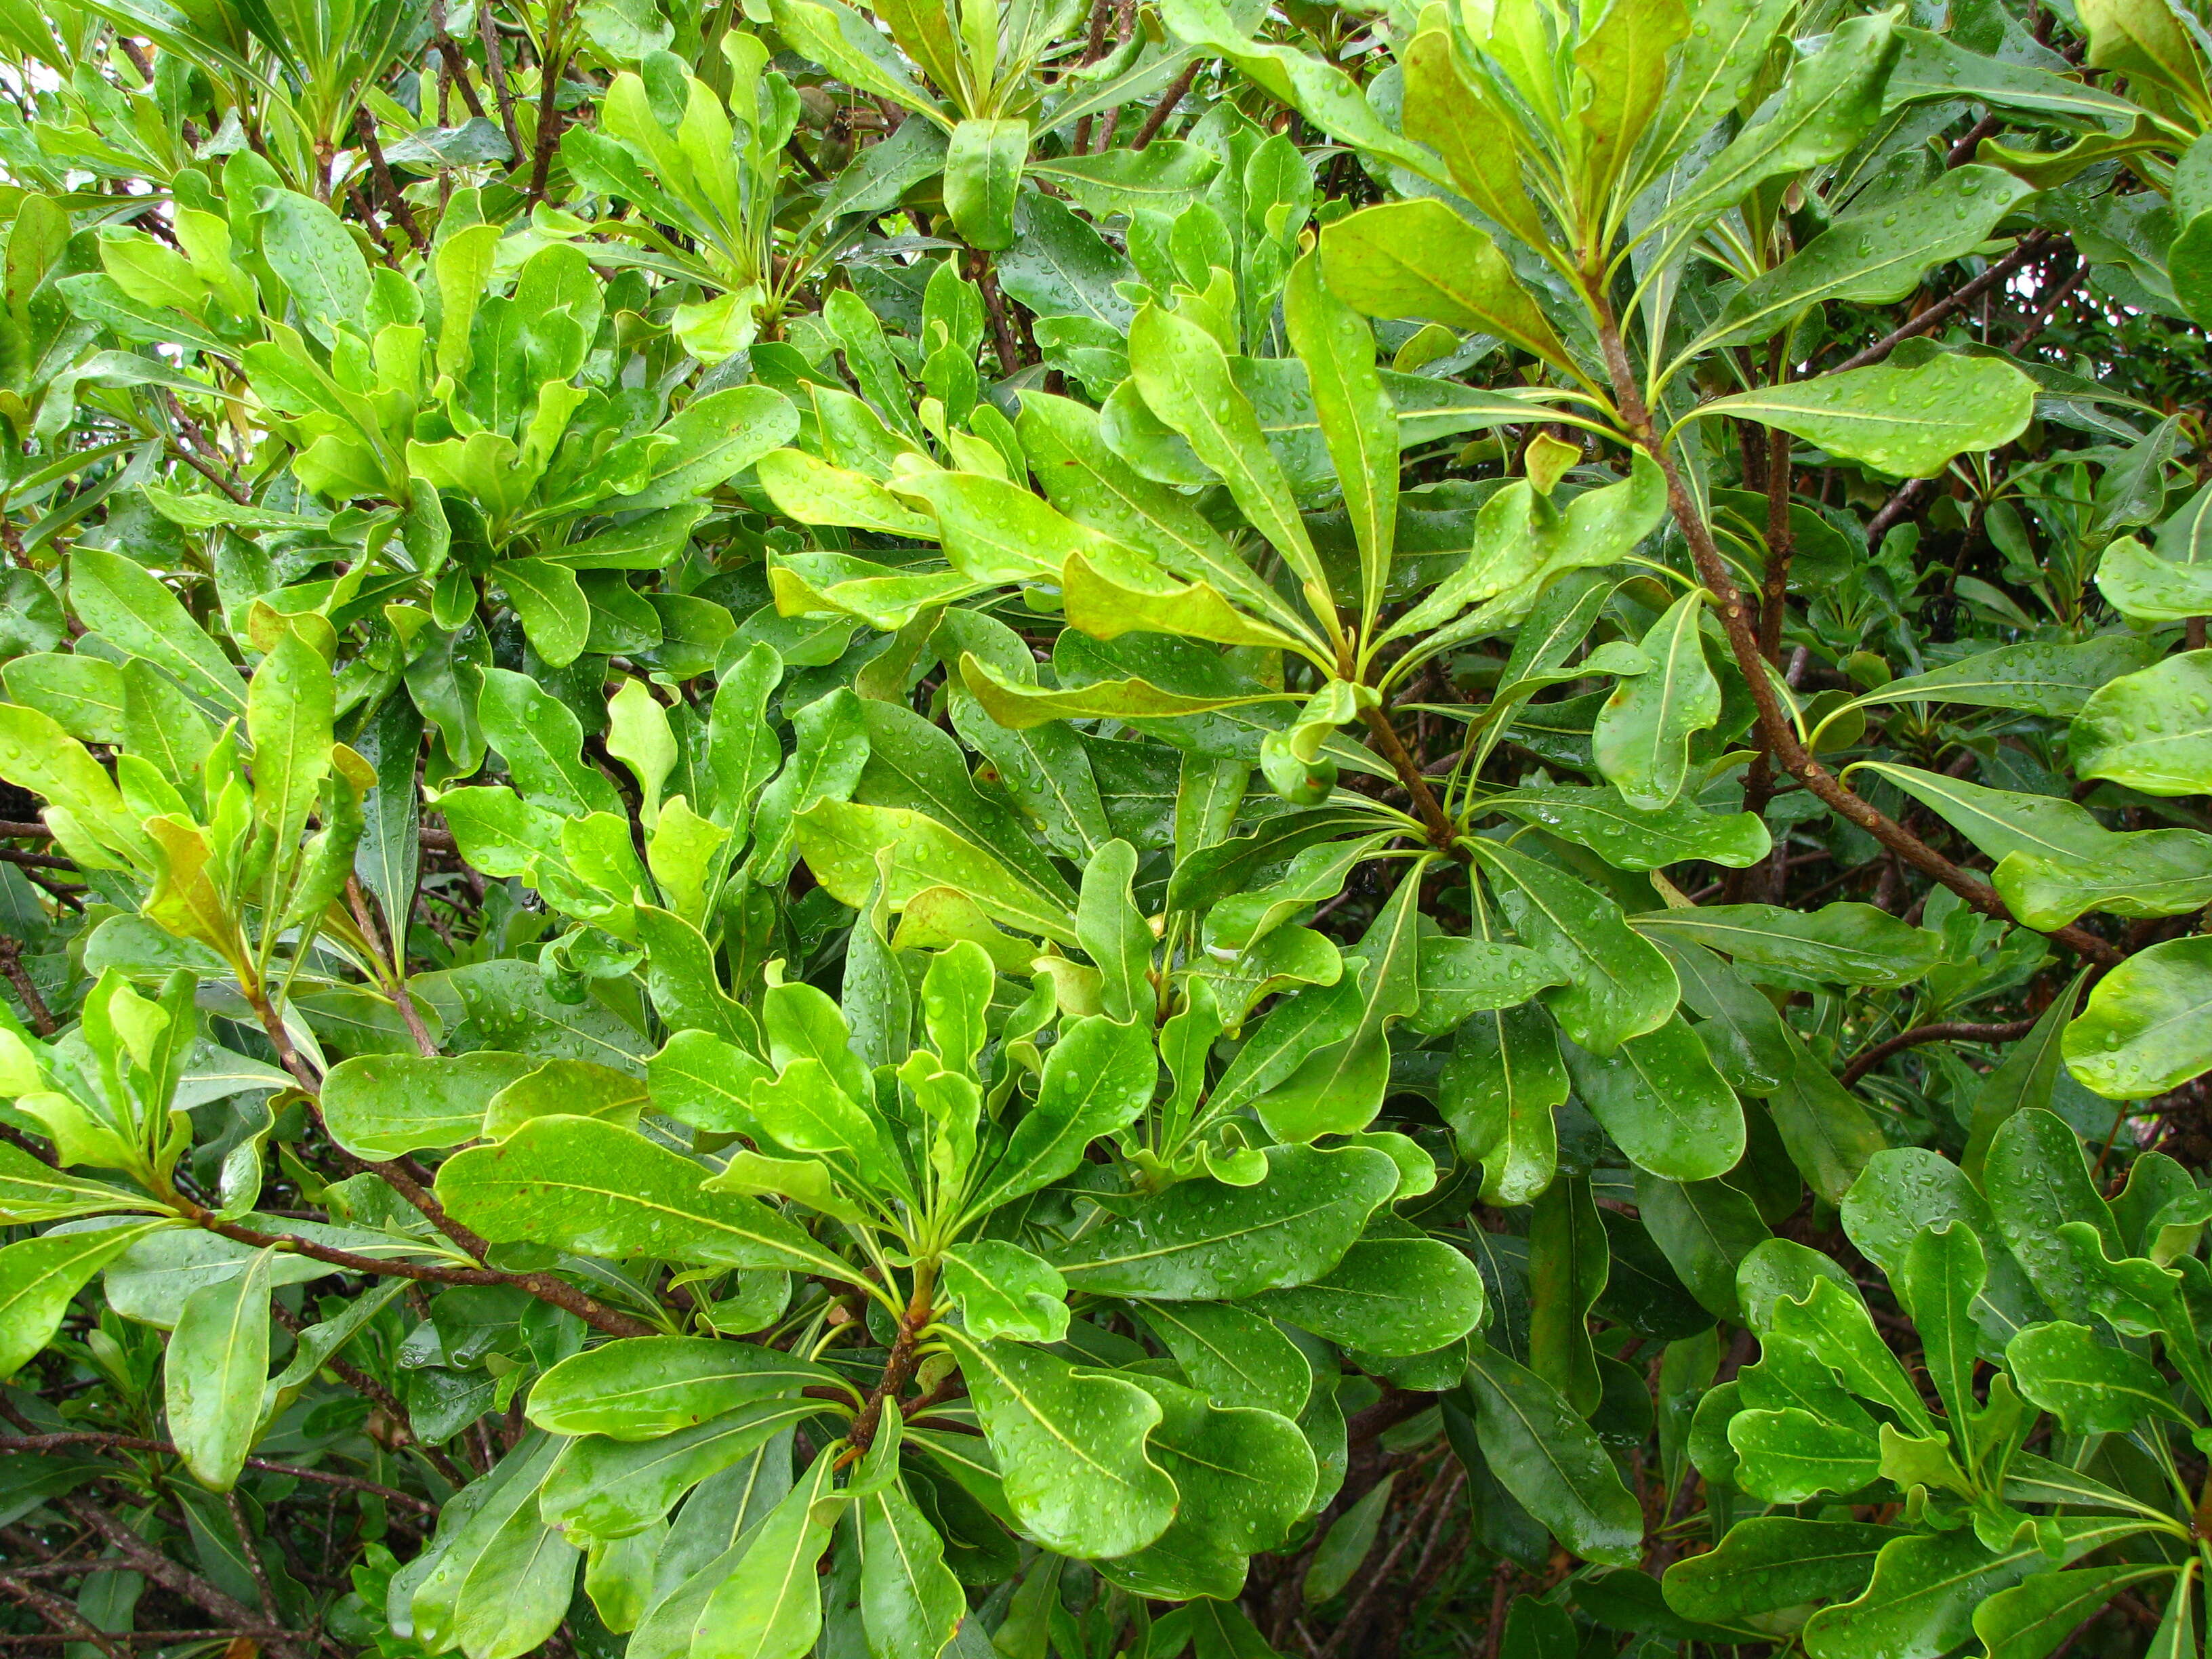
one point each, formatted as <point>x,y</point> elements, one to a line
<point>1388,745</point>
<point>900,1363</point>
<point>1166,107</point>
<point>1944,1031</point>
<point>365,124</point>
<point>2033,245</point>
<point>35,1006</point>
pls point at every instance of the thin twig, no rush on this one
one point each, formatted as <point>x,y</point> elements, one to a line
<point>1166,107</point>
<point>35,1006</point>
<point>365,123</point>
<point>2033,245</point>
<point>1942,1030</point>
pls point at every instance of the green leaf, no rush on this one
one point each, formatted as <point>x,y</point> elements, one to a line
<point>644,1387</point>
<point>1926,1589</point>
<point>1641,739</point>
<point>383,1106</point>
<point>310,249</point>
<point>1357,418</point>
<point>1161,177</point>
<point>1906,421</point>
<point>1112,931</point>
<point>2145,730</point>
<point>607,1488</point>
<point>1233,1357</point>
<point>582,1184</point>
<point>1617,985</point>
<point>1348,1541</point>
<point>2091,1387</point>
<point>1097,1078</point>
<point>542,742</point>
<point>2146,588</point>
<point>1828,102</point>
<point>840,843</point>
<point>1005,1292</point>
<point>39,1276</point>
<point>500,1585</point>
<point>1790,1457</point>
<point>2149,872</point>
<point>2036,678</point>
<point>1663,1103</point>
<point>1498,1091</point>
<point>129,606</point>
<point>910,1602</point>
<point>549,603</point>
<point>217,1361</point>
<point>2143,1030</point>
<point>1873,257</point>
<point>1243,1478</point>
<point>1396,1292</point>
<point>702,1080</point>
<point>2037,1182</point>
<point>712,439</point>
<point>1203,1240</point>
<point>1418,259</point>
<point>1551,1460</point>
<point>1764,1563</point>
<point>770,1606</point>
<point>1704,1228</point>
<point>1336,1087</point>
<point>2029,1620</point>
<point>1071,1445</point>
<point>983,177</point>
<point>1845,943</point>
<point>1183,375</point>
<point>829,752</point>
<point>31,1192</point>
<point>1568,1264</point>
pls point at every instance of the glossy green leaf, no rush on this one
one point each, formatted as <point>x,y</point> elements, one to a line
<point>1641,740</point>
<point>1663,1103</point>
<point>2145,730</point>
<point>1071,1445</point>
<point>644,1387</point>
<point>1550,1459</point>
<point>583,1184</point>
<point>2143,1029</point>
<point>1202,1241</point>
<point>1906,421</point>
<point>217,1361</point>
<point>1394,1292</point>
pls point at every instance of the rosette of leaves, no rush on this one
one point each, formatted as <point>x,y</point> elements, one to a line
<point>2080,1306</point>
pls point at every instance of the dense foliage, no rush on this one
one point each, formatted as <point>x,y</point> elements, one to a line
<point>1004,828</point>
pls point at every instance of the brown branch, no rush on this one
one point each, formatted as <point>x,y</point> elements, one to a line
<point>457,67</point>
<point>132,1443</point>
<point>995,307</point>
<point>1392,748</point>
<point>544,1286</point>
<point>1165,107</point>
<point>60,1614</point>
<point>157,1566</point>
<point>1942,1030</point>
<point>365,124</point>
<point>36,861</point>
<point>1775,724</point>
<point>550,68</point>
<point>495,72</point>
<point>899,1364</point>
<point>35,1006</point>
<point>2031,247</point>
